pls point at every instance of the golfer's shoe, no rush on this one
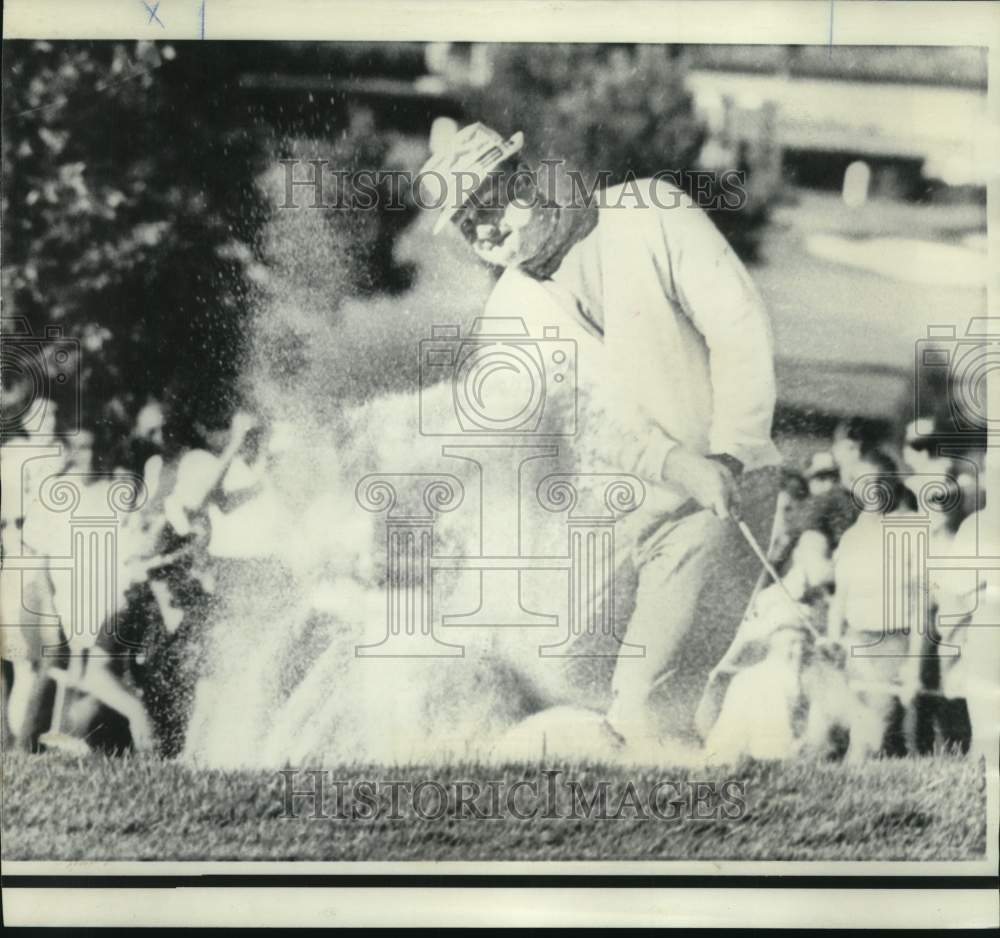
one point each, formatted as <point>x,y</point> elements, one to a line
<point>628,721</point>
<point>64,743</point>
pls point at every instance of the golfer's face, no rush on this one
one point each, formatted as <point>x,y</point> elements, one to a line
<point>501,224</point>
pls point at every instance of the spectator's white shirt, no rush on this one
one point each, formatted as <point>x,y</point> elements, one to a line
<point>686,339</point>
<point>879,586</point>
<point>955,590</point>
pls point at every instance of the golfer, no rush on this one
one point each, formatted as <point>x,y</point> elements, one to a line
<point>686,341</point>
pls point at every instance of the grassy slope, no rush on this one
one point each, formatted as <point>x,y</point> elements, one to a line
<point>142,808</point>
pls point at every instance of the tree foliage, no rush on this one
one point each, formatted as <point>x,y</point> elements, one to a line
<point>129,212</point>
<point>605,108</point>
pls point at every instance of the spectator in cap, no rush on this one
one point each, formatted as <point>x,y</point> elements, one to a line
<point>822,474</point>
<point>930,452</point>
<point>818,508</point>
<point>853,440</point>
<point>793,491</point>
<point>947,490</point>
<point>684,343</point>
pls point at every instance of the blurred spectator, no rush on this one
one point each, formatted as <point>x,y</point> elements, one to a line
<point>146,440</point>
<point>929,452</point>
<point>26,607</point>
<point>825,506</point>
<point>834,511</point>
<point>45,530</point>
<point>765,709</point>
<point>966,615</point>
<point>21,479</point>
<point>780,626</point>
<point>853,440</point>
<point>22,495</point>
<point>79,453</point>
<point>792,491</point>
<point>248,517</point>
<point>920,446</point>
<point>951,492</point>
<point>151,646</point>
<point>171,604</point>
<point>822,474</point>
<point>793,484</point>
<point>882,661</point>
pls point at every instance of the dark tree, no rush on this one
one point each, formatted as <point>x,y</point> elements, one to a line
<point>129,210</point>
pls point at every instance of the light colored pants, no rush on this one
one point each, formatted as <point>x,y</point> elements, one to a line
<point>696,576</point>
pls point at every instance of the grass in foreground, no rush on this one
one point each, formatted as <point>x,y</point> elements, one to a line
<point>143,808</point>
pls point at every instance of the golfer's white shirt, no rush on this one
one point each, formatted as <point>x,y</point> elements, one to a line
<point>683,334</point>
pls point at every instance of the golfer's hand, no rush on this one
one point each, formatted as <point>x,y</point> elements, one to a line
<point>710,483</point>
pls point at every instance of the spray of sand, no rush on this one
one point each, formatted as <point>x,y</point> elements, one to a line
<point>282,681</point>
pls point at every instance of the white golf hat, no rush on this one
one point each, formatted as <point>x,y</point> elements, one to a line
<point>460,161</point>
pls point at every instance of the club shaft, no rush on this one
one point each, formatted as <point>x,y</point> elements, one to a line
<point>748,536</point>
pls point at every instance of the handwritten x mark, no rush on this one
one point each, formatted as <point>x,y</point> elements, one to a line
<point>151,10</point>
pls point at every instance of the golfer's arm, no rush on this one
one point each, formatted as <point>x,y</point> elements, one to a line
<point>644,451</point>
<point>715,291</point>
